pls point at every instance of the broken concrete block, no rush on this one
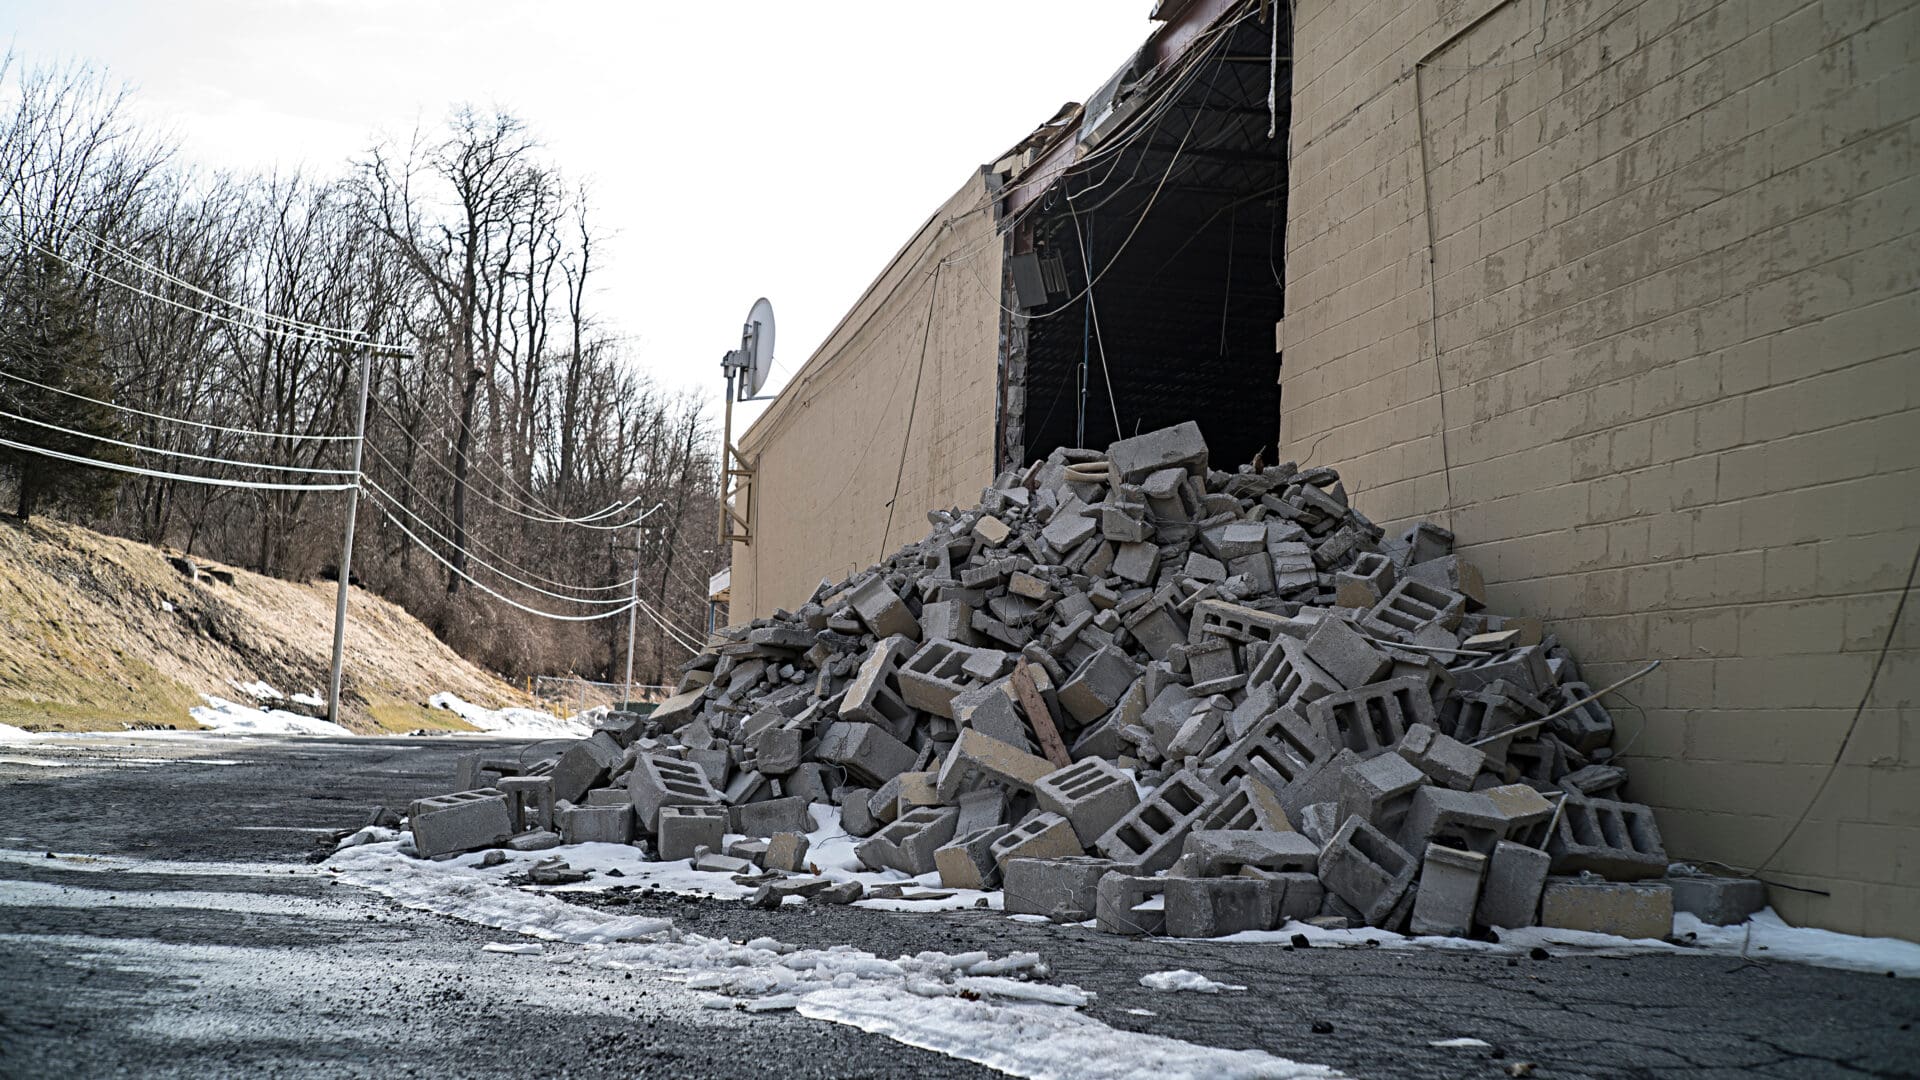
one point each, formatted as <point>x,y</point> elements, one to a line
<point>658,781</point>
<point>979,809</point>
<point>966,861</point>
<point>787,852</point>
<point>681,829</point>
<point>1216,907</point>
<point>1411,605</point>
<point>869,754</point>
<point>1149,838</point>
<point>990,710</point>
<point>776,751</point>
<point>882,610</point>
<point>584,765</point>
<point>1245,803</point>
<point>1128,904</point>
<point>1091,794</point>
<point>460,822</point>
<point>1446,760</point>
<point>597,824</point>
<point>1042,836</point>
<point>531,800</point>
<point>1221,852</point>
<point>1528,813</point>
<point>1468,820</point>
<point>1180,446</point>
<point>1342,653</point>
<point>772,816</point>
<point>1380,789</point>
<point>1098,684</point>
<point>1616,840</point>
<point>1449,891</point>
<point>855,815</point>
<point>1640,909</point>
<point>976,756</point>
<point>1064,889</point>
<point>874,696</point>
<point>908,844</point>
<point>1511,895</point>
<point>1716,901</point>
<point>1361,866</point>
<point>933,676</point>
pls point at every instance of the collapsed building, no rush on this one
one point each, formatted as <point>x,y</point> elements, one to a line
<point>1623,297</point>
<point>1129,687</point>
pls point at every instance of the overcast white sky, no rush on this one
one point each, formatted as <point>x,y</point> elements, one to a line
<point>756,147</point>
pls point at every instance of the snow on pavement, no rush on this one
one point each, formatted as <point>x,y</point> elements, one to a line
<point>527,723</point>
<point>1182,979</point>
<point>969,1005</point>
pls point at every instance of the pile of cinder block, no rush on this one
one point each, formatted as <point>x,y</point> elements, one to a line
<point>1133,688</point>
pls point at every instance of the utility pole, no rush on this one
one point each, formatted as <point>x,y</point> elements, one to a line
<point>633,602</point>
<point>346,544</point>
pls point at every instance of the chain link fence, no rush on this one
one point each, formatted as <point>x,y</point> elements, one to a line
<point>569,695</point>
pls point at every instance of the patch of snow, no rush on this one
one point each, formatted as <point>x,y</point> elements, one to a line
<point>232,717</point>
<point>167,606</point>
<point>1460,1044</point>
<point>11,734</point>
<point>968,1005</point>
<point>1140,1012</point>
<point>311,701</point>
<point>513,722</point>
<point>257,690</point>
<point>528,949</point>
<point>1182,979</point>
<point>1024,917</point>
<point>1766,936</point>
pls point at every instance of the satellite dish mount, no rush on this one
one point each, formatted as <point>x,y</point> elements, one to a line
<point>746,370</point>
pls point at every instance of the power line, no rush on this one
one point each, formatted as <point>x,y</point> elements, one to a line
<point>176,419</point>
<point>173,453</point>
<point>252,485</point>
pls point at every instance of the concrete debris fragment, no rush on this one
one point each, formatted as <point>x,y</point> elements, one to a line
<point>1134,688</point>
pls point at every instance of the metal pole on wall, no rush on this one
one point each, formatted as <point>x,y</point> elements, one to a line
<point>346,545</point>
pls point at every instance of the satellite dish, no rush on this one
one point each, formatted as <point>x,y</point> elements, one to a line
<point>748,366</point>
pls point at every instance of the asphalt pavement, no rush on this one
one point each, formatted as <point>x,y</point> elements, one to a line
<point>220,950</point>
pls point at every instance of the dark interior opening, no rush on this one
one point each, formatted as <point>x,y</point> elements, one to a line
<point>1184,232</point>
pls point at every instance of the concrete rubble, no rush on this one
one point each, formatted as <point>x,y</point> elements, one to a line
<point>1130,688</point>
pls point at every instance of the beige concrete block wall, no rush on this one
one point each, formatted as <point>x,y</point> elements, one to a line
<point>1669,332</point>
<point>834,446</point>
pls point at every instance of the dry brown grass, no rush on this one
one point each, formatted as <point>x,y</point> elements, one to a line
<point>87,641</point>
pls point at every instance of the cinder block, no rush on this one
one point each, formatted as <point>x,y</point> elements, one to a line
<point>990,710</point>
<point>1528,813</point>
<point>1364,868</point>
<point>1064,889</point>
<point>1216,907</point>
<point>772,816</point>
<point>1616,840</point>
<point>1129,904</point>
<point>1181,446</point>
<point>1041,836</point>
<point>1277,753</point>
<point>1149,838</point>
<point>1449,891</point>
<point>966,861</point>
<point>462,821</point>
<point>1223,852</point>
<point>976,756</point>
<point>869,754</point>
<point>1640,909</point>
<point>1511,895</point>
<point>1380,790</point>
<point>776,750</point>
<point>683,828</point>
<point>882,610</point>
<point>1091,794</point>
<point>585,765</point>
<point>1468,820</point>
<point>1342,653</point>
<point>1098,684</point>
<point>933,676</point>
<point>1717,901</point>
<point>1370,719</point>
<point>787,852</point>
<point>597,824</point>
<point>529,793</point>
<point>855,815</point>
<point>1247,804</point>
<point>658,781</point>
<point>874,696</point>
<point>908,844</point>
<point>1446,760</point>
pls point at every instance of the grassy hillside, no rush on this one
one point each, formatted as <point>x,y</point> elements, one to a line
<point>97,633</point>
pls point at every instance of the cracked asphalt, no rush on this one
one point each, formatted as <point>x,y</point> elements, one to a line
<point>227,953</point>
